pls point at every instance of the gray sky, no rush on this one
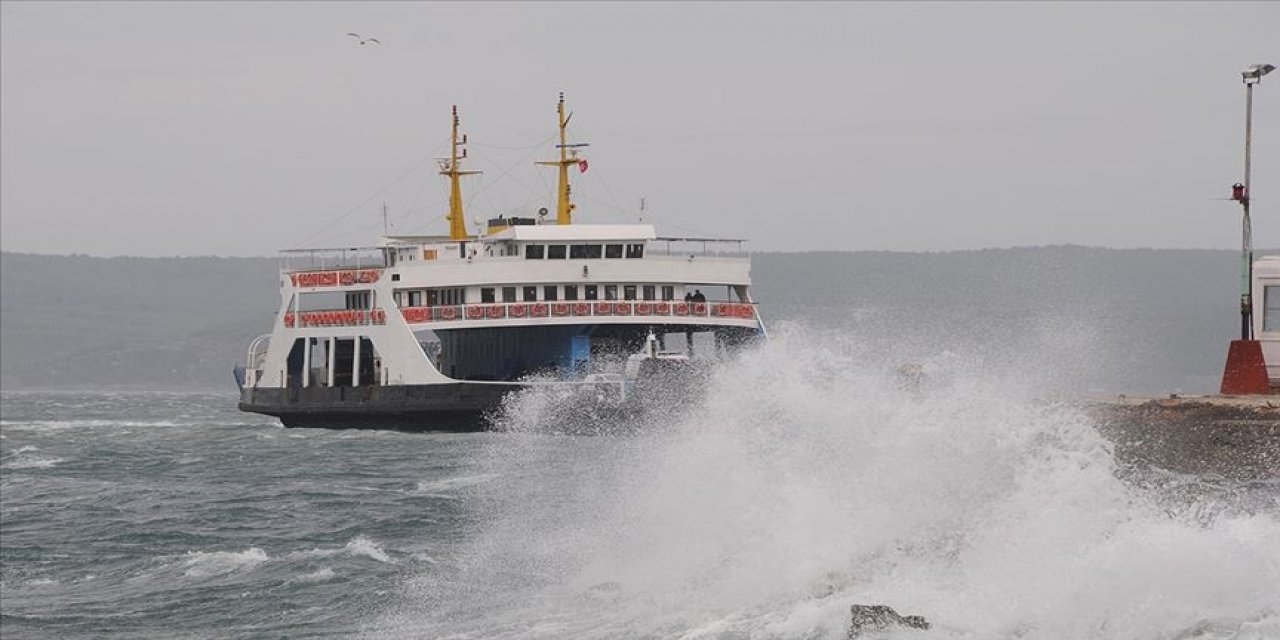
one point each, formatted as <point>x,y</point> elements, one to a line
<point>240,128</point>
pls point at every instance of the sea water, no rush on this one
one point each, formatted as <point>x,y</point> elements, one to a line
<point>804,479</point>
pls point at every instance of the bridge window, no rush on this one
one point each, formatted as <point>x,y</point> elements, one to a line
<point>555,252</point>
<point>613,251</point>
<point>415,298</point>
<point>508,294</point>
<point>611,292</point>
<point>590,291</point>
<point>629,292</point>
<point>534,251</point>
<point>455,295</point>
<point>648,292</point>
<point>324,300</point>
<point>635,251</point>
<point>486,295</point>
<point>549,292</point>
<point>571,292</point>
<point>358,299</point>
<point>668,292</point>
<point>584,251</point>
<point>530,294</point>
<point>1271,308</point>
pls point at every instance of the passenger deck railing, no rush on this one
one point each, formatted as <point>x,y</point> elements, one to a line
<point>524,310</point>
<point>335,318</point>
<point>322,259</point>
<point>705,247</point>
<point>578,308</point>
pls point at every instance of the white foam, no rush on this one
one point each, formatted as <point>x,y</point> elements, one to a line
<point>450,487</point>
<point>323,575</point>
<point>205,564</point>
<point>808,480</point>
<point>364,547</point>
<point>90,424</point>
<point>33,463</point>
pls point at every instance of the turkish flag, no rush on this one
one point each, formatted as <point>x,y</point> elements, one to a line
<point>582,165</point>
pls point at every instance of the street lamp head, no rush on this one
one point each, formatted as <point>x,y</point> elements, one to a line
<point>1253,74</point>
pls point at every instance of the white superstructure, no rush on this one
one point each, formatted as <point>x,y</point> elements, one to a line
<point>1266,313</point>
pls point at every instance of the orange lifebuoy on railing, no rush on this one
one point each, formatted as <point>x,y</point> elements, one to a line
<point>662,308</point>
<point>622,308</point>
<point>379,316</point>
<point>288,319</point>
<point>517,310</point>
<point>538,310</point>
<point>699,308</point>
<point>448,313</point>
<point>495,311</point>
<point>582,309</point>
<point>560,309</point>
<point>746,311</point>
<point>603,308</point>
<point>724,309</point>
<point>682,308</point>
<point>643,308</point>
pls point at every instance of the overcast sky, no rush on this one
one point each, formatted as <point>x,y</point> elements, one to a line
<point>238,128</point>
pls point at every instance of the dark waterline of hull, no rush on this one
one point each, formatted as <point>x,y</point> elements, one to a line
<point>457,407</point>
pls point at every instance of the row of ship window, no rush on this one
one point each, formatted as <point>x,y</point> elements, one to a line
<point>531,293</point>
<point>582,251</point>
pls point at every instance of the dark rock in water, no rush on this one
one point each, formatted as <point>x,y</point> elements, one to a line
<point>870,618</point>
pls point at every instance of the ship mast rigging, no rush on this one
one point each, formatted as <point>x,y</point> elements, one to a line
<point>450,167</point>
<point>568,158</point>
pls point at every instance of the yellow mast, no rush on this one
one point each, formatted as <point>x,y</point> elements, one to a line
<point>568,158</point>
<point>449,167</point>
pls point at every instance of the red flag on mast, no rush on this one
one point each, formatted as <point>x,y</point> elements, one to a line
<point>582,165</point>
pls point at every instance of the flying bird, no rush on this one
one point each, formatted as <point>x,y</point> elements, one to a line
<point>362,40</point>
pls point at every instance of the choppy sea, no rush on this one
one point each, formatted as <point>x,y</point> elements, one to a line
<point>804,481</point>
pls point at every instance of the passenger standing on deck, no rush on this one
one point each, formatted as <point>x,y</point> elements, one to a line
<point>698,297</point>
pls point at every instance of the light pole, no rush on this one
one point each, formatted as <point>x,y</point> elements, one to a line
<point>1240,193</point>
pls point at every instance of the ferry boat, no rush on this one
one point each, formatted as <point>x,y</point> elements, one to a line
<point>431,332</point>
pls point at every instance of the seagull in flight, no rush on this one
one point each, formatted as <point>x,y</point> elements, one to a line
<point>364,41</point>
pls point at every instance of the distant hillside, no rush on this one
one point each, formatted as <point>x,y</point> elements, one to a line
<point>155,323</point>
<point>1090,319</point>
<point>1087,319</point>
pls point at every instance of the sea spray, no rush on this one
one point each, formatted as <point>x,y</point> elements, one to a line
<point>809,478</point>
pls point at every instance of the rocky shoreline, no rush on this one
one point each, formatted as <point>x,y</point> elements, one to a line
<point>1237,437</point>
